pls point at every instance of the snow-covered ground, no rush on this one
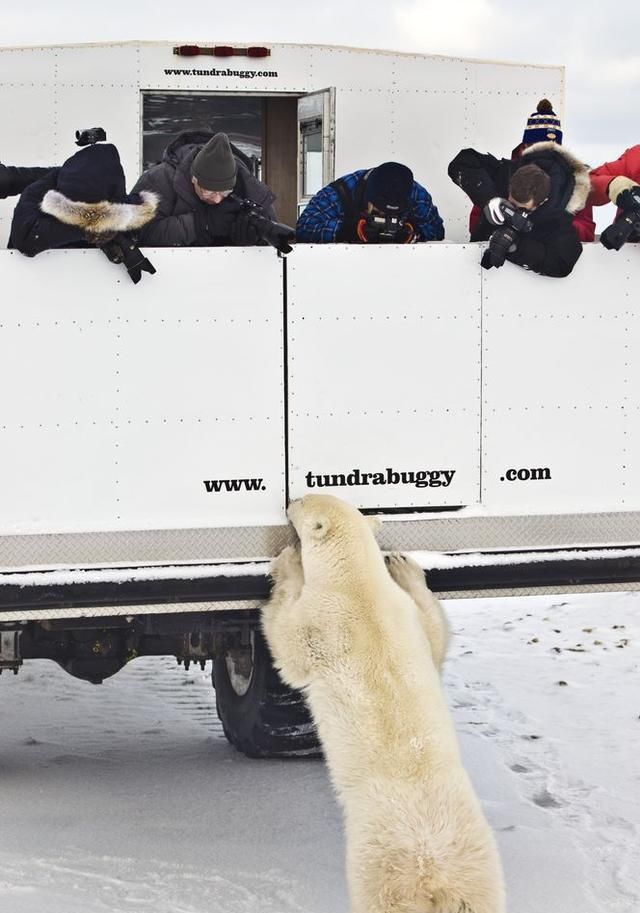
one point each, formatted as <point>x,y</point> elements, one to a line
<point>126,797</point>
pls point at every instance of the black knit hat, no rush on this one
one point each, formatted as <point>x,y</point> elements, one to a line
<point>389,187</point>
<point>215,167</point>
<point>91,194</point>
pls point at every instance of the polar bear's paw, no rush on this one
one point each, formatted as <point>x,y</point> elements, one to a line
<point>286,568</point>
<point>410,577</point>
<point>406,573</point>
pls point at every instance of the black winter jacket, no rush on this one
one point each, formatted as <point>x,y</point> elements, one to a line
<point>14,179</point>
<point>33,231</point>
<point>183,220</point>
<point>552,247</point>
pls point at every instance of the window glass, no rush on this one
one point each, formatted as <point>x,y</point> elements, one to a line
<point>166,114</point>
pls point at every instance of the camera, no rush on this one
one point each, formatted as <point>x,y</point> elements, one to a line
<point>90,136</point>
<point>276,234</point>
<point>384,229</point>
<point>518,218</point>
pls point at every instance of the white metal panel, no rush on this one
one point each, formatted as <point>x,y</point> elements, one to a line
<point>60,478</point>
<point>528,79</point>
<point>353,68</point>
<point>125,399</point>
<point>357,144</point>
<point>93,105</point>
<point>33,67</point>
<point>372,384</point>
<point>58,327</point>
<point>28,113</point>
<point>555,384</point>
<point>113,66</point>
<point>165,464</point>
<point>421,73</point>
<point>627,262</point>
<point>580,447</point>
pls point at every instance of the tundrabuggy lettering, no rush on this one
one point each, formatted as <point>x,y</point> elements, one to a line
<point>217,485</point>
<point>421,478</point>
<point>241,74</point>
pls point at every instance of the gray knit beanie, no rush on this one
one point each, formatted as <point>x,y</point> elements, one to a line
<point>215,167</point>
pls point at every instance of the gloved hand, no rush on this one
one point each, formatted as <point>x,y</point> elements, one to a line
<point>614,236</point>
<point>494,210</point>
<point>135,261</point>
<point>629,200</point>
<point>123,249</point>
<point>502,242</point>
<point>242,232</point>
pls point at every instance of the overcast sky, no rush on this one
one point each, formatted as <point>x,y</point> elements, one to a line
<point>600,47</point>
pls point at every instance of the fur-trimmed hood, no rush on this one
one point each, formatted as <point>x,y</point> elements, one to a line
<point>569,176</point>
<point>104,216</point>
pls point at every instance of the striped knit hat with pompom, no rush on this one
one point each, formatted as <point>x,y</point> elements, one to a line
<point>543,126</point>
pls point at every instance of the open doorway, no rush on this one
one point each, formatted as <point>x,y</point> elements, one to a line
<point>288,139</point>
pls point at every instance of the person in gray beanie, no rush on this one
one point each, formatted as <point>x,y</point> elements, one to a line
<point>194,181</point>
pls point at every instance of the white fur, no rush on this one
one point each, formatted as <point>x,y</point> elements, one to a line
<point>342,629</point>
<point>103,217</point>
<point>582,185</point>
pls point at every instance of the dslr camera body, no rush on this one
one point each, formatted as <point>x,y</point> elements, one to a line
<point>512,222</point>
<point>385,228</point>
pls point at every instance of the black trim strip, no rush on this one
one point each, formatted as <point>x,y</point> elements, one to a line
<point>285,380</point>
<point>554,572</point>
<point>433,509</point>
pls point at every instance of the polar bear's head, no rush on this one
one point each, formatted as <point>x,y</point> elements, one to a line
<point>333,533</point>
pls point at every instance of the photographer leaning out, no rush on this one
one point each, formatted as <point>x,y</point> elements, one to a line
<point>194,181</point>
<point>528,203</point>
<point>371,206</point>
<point>82,203</point>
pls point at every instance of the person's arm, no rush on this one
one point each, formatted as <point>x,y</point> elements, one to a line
<point>32,231</point>
<point>166,229</point>
<point>170,231</point>
<point>476,174</point>
<point>14,179</point>
<point>321,220</point>
<point>628,165</point>
<point>555,256</point>
<point>428,224</point>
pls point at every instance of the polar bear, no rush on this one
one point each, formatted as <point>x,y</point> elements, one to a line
<point>341,628</point>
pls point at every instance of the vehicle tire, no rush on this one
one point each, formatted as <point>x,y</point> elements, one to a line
<point>260,715</point>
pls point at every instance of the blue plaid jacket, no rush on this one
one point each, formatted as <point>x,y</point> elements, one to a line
<point>322,219</point>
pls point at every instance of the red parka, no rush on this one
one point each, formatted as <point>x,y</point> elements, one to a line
<point>628,166</point>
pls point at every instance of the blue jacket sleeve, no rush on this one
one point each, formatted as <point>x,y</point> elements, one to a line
<point>428,224</point>
<point>32,231</point>
<point>322,219</point>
